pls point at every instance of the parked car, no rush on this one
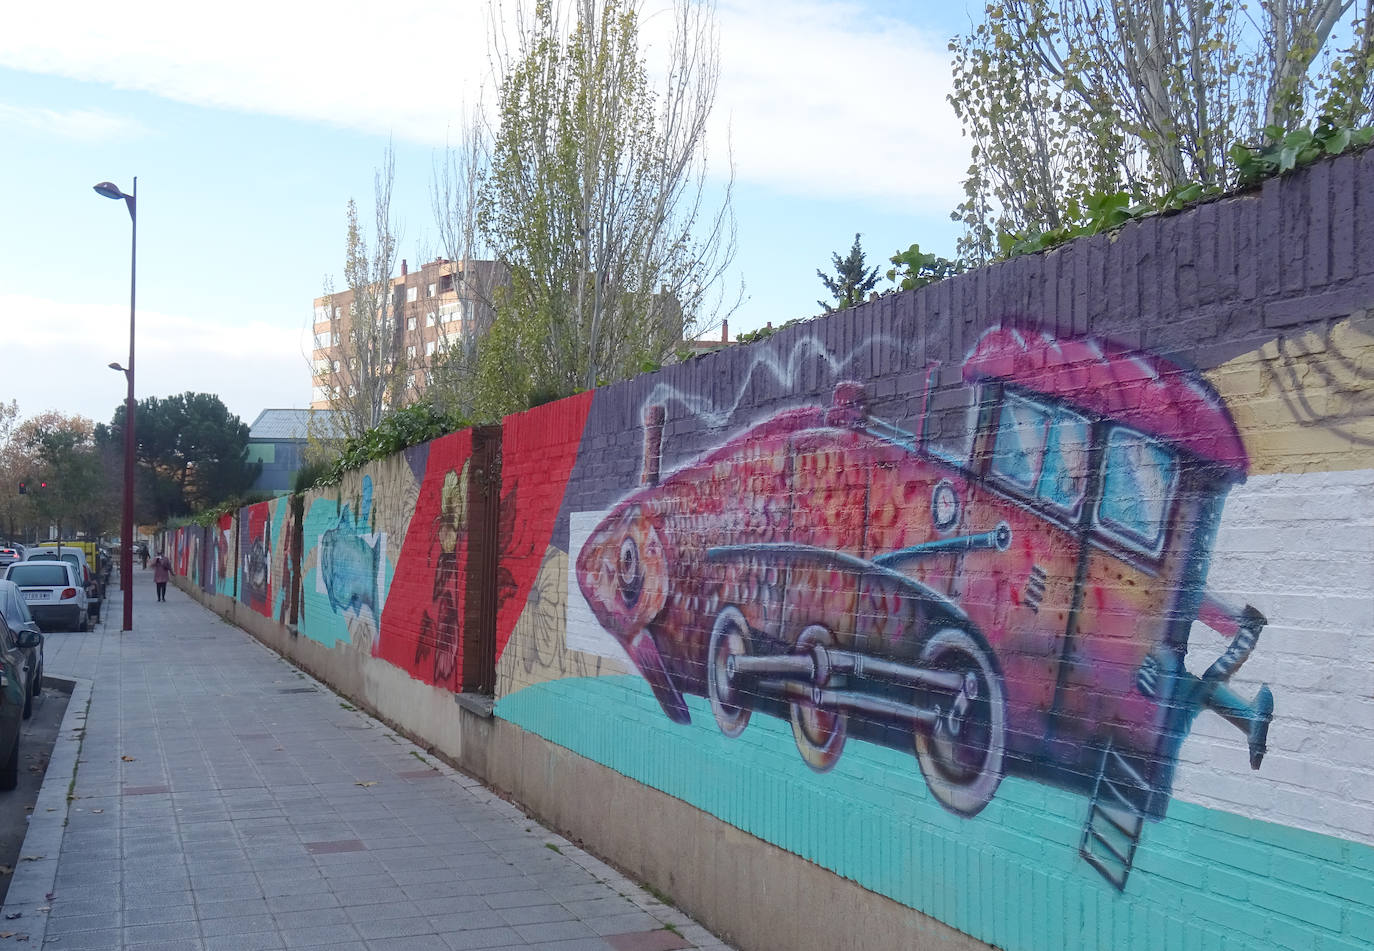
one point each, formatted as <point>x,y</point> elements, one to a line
<point>10,553</point>
<point>15,612</point>
<point>54,593</point>
<point>90,579</point>
<point>13,693</point>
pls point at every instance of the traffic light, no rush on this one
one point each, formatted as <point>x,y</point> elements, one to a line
<point>23,489</point>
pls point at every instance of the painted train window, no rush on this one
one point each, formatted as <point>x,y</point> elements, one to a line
<point>1043,449</point>
<point>1020,446</point>
<point>1138,484</point>
<point>950,423</point>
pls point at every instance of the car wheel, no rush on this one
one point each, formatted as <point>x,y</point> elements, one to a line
<point>9,773</point>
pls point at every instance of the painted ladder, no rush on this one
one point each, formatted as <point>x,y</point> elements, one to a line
<point>1115,818</point>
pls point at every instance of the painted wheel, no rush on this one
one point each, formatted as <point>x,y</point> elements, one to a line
<point>729,638</point>
<point>961,756</point>
<point>819,733</point>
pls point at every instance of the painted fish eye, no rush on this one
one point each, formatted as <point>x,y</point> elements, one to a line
<point>631,572</point>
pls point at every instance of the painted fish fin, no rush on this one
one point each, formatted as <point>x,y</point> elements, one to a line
<point>644,652</point>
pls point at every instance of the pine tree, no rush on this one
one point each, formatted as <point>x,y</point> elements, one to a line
<point>852,281</point>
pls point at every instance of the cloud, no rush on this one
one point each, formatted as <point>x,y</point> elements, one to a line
<point>59,360</point>
<point>824,99</point>
<point>821,99</point>
<point>81,125</point>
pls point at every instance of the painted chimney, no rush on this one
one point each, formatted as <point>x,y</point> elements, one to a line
<point>725,331</point>
<point>653,443</point>
<point>403,267</point>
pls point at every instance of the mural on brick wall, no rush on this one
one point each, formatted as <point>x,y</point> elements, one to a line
<point>1014,599</point>
<point>255,555</point>
<point>421,628</point>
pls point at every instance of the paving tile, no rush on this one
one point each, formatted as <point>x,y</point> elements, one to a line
<point>468,920</point>
<point>240,925</point>
<point>318,934</point>
<point>312,917</point>
<point>483,938</point>
<point>255,941</point>
<point>661,939</point>
<point>75,923</point>
<point>163,931</point>
<point>534,914</point>
<point>553,931</point>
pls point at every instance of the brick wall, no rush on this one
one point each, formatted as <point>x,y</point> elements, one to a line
<point>926,592</point>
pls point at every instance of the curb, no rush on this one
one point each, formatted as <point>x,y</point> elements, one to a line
<point>30,894</point>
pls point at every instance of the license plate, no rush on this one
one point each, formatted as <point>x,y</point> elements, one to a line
<point>35,595</point>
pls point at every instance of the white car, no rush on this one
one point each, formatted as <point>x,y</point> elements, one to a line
<point>75,557</point>
<point>54,593</point>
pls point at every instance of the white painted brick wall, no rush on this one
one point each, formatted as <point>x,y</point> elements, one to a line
<point>1300,548</point>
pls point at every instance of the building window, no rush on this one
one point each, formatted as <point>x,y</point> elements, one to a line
<point>336,338</point>
<point>429,319</point>
<point>410,352</point>
<point>411,294</point>
<point>410,323</point>
<point>467,310</point>
<point>429,348</point>
<point>321,341</point>
<point>336,366</point>
<point>429,291</point>
<point>410,379</point>
<point>352,391</point>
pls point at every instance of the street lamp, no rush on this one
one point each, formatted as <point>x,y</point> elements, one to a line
<point>126,557</point>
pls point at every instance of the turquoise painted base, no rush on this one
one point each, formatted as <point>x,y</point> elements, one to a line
<point>1010,876</point>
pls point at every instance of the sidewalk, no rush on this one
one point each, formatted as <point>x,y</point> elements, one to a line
<point>224,800</point>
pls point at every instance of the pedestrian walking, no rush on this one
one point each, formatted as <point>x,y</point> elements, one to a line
<point>162,572</point>
<point>143,553</point>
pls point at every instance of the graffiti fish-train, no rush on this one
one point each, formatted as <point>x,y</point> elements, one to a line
<point>1009,589</point>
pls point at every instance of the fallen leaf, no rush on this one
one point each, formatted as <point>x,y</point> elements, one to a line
<point>127,759</point>
<point>102,810</point>
<point>10,934</point>
<point>47,907</point>
<point>13,915</point>
<point>31,858</point>
<point>372,783</point>
<point>51,895</point>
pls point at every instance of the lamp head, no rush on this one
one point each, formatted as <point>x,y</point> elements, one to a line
<point>116,366</point>
<point>109,190</point>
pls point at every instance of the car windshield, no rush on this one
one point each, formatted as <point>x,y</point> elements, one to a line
<point>32,574</point>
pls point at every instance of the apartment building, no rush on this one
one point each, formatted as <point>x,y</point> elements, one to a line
<point>440,304</point>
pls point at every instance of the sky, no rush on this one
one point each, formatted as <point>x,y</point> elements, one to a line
<point>249,133</point>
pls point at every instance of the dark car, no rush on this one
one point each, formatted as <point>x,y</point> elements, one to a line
<point>13,694</point>
<point>15,613</point>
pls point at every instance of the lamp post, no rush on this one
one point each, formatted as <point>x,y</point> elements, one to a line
<point>126,557</point>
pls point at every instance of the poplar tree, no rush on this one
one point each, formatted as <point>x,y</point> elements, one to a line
<point>1067,99</point>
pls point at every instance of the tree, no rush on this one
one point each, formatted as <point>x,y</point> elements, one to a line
<point>852,281</point>
<point>455,195</point>
<point>68,485</point>
<point>1066,99</point>
<point>15,509</point>
<point>192,453</point>
<point>369,370</point>
<point>595,200</point>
